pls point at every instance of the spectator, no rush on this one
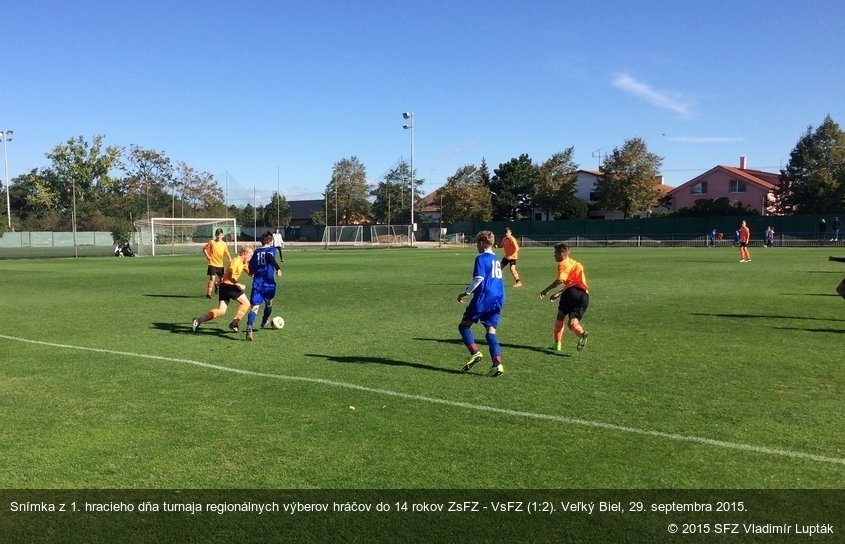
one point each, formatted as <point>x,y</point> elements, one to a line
<point>835,226</point>
<point>770,237</point>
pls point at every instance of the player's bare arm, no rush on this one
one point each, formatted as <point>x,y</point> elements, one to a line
<point>549,288</point>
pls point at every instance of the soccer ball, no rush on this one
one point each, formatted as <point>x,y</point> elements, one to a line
<point>277,322</point>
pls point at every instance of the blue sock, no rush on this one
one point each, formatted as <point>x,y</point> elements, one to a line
<point>495,348</point>
<point>250,319</point>
<point>466,336</point>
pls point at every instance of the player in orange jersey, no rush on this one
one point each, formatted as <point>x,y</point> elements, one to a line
<point>574,298</point>
<point>230,290</point>
<point>744,237</point>
<point>511,248</point>
<point>215,252</point>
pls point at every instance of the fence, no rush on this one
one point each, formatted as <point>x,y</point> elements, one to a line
<point>22,245</point>
<point>30,244</point>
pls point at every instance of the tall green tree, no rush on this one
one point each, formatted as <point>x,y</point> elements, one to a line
<point>392,204</point>
<point>554,189</point>
<point>511,188</point>
<point>466,196</point>
<point>814,178</point>
<point>630,179</point>
<point>82,168</point>
<point>277,212</point>
<point>149,181</point>
<point>347,193</point>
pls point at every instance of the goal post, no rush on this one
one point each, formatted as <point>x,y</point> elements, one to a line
<point>181,235</point>
<point>343,235</point>
<point>392,235</point>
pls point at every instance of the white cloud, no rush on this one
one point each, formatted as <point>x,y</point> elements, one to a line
<point>661,99</point>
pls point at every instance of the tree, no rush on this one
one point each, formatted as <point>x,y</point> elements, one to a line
<point>149,176</point>
<point>708,207</point>
<point>201,191</point>
<point>83,168</point>
<point>277,212</point>
<point>466,196</point>
<point>511,187</point>
<point>629,180</point>
<point>814,178</point>
<point>554,188</point>
<point>347,193</point>
<point>392,200</point>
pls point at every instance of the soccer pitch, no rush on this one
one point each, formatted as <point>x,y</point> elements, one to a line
<point>700,372</point>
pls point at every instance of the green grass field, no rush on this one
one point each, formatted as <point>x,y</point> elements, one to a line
<point>701,372</point>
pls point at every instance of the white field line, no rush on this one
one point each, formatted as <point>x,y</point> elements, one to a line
<point>457,404</point>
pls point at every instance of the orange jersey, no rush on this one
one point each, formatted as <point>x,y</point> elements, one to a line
<point>236,268</point>
<point>510,246</point>
<point>571,273</point>
<point>744,234</point>
<point>215,252</point>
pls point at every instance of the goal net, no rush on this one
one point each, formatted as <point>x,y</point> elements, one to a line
<point>343,235</point>
<point>180,235</point>
<point>392,235</point>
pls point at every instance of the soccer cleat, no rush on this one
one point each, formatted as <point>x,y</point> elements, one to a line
<point>518,284</point>
<point>233,326</point>
<point>195,324</point>
<point>496,370</point>
<point>474,358</point>
<point>556,347</point>
<point>249,336</point>
<point>582,341</point>
<point>207,296</point>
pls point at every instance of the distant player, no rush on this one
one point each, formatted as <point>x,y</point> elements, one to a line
<point>230,290</point>
<point>511,248</point>
<point>216,253</point>
<point>488,299</point>
<point>279,243</point>
<point>744,237</point>
<point>264,269</point>
<point>574,298</point>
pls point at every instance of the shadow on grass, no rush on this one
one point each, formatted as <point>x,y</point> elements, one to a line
<point>179,328</point>
<point>839,331</point>
<point>761,316</point>
<point>368,360</point>
<point>459,342</point>
<point>159,295</point>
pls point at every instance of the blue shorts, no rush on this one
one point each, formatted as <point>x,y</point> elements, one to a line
<point>262,292</point>
<point>488,317</point>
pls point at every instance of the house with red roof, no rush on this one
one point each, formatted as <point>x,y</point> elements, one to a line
<point>749,187</point>
<point>585,187</point>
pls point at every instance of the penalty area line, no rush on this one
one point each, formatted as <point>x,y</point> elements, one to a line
<point>457,404</point>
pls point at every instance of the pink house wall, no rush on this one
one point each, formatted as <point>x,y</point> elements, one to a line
<point>718,186</point>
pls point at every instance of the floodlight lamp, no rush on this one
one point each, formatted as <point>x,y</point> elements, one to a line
<point>407,115</point>
<point>406,126</point>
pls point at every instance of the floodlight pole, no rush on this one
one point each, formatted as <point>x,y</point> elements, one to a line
<point>410,126</point>
<point>6,135</point>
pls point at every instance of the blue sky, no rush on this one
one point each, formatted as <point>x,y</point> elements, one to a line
<point>272,94</point>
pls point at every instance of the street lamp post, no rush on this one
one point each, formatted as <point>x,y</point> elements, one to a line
<point>6,135</point>
<point>409,115</point>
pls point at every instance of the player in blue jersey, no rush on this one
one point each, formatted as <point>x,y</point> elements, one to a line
<point>488,299</point>
<point>264,269</point>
